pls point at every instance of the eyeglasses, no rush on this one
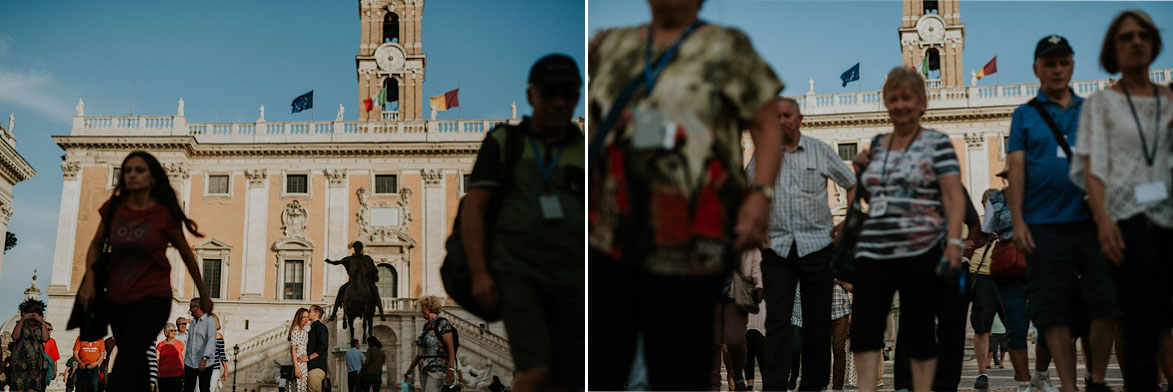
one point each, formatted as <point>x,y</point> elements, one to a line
<point>182,324</point>
<point>1129,36</point>
<point>170,330</point>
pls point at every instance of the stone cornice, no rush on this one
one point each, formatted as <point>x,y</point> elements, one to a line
<point>196,150</point>
<point>878,119</point>
<point>14,165</point>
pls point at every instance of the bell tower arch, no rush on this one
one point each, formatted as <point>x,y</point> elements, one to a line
<point>932,30</point>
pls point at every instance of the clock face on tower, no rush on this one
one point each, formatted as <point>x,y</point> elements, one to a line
<point>390,58</point>
<point>930,28</point>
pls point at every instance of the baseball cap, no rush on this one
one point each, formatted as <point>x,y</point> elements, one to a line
<point>1050,44</point>
<point>555,69</point>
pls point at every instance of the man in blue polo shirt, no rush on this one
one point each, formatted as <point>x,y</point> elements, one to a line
<point>1052,224</point>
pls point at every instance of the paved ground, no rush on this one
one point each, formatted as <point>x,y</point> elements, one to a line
<point>1000,379</point>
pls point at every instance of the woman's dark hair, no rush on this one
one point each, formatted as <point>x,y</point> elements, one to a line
<point>1108,58</point>
<point>161,191</point>
<point>374,342</point>
<point>32,306</point>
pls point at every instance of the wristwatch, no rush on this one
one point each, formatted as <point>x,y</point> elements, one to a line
<point>766,191</point>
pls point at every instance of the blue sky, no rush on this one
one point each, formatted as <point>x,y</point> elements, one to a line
<point>821,39</point>
<point>225,59</point>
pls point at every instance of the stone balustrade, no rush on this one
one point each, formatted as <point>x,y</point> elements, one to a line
<point>288,132</point>
<point>951,97</point>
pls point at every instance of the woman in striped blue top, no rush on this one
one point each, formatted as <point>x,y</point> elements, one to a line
<point>915,209</point>
<point>220,364</point>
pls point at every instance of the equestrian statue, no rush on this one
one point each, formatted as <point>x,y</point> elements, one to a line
<point>358,297</point>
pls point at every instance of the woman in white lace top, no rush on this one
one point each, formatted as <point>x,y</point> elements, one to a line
<point>1124,157</point>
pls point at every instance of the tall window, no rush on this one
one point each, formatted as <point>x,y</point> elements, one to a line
<point>296,183</point>
<point>848,150</point>
<point>294,280</point>
<point>386,183</point>
<point>464,182</point>
<point>392,86</point>
<point>115,176</point>
<point>218,185</point>
<point>388,281</point>
<point>391,27</point>
<point>212,277</point>
<point>931,7</point>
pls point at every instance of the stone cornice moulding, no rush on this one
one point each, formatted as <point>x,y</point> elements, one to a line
<point>14,164</point>
<point>194,149</point>
<point>880,119</point>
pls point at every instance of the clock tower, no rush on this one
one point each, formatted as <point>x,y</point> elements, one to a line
<point>391,57</point>
<point>932,30</point>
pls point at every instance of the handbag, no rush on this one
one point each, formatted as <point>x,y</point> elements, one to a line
<point>1008,263</point>
<point>843,258</point>
<point>93,320</point>
<point>742,290</point>
<point>454,272</point>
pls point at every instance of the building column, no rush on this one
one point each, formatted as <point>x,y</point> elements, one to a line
<point>979,168</point>
<point>66,228</point>
<point>5,213</point>
<point>256,208</point>
<point>336,236</point>
<point>178,176</point>
<point>435,231</point>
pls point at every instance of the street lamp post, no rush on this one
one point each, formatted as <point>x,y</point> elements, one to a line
<point>235,353</point>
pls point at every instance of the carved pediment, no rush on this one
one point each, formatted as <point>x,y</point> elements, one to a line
<point>387,215</point>
<point>212,244</point>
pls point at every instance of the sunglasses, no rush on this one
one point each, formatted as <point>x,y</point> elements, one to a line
<point>1129,36</point>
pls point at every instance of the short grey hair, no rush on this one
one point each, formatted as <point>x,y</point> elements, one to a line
<point>791,101</point>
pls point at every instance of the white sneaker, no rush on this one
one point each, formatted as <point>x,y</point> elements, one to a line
<point>1042,381</point>
<point>1024,386</point>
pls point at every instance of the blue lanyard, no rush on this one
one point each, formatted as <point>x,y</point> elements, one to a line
<point>651,73</point>
<point>1144,148</point>
<point>546,170</point>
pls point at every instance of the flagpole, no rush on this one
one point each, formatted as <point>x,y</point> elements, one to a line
<point>311,104</point>
<point>860,84</point>
<point>996,65</point>
<point>459,108</point>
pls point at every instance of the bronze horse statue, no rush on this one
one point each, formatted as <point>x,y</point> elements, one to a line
<point>359,297</point>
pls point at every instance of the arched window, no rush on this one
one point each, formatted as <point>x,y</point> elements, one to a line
<point>392,86</point>
<point>388,281</point>
<point>931,7</point>
<point>391,27</point>
<point>934,71</point>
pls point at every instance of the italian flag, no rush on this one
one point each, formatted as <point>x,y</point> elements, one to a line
<point>376,101</point>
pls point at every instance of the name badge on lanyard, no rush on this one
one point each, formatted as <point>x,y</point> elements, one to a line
<point>551,205</point>
<point>878,206</point>
<point>1151,192</point>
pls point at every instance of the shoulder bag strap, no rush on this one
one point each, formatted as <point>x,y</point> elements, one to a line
<point>1051,124</point>
<point>627,92</point>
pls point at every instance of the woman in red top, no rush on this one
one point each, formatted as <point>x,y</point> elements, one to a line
<point>170,352</point>
<point>146,217</point>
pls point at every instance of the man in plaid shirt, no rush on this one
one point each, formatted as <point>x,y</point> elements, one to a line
<point>800,251</point>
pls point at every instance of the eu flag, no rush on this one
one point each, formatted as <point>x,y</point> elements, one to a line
<point>305,101</point>
<point>851,75</point>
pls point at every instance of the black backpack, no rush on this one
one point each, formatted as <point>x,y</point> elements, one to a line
<point>454,272</point>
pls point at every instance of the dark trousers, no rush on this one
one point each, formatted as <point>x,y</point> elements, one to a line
<point>949,308</point>
<point>839,351</point>
<point>135,327</point>
<point>779,277</point>
<point>676,312</point>
<point>795,357</point>
<point>87,380</point>
<point>190,375</point>
<point>754,343</point>
<point>368,382</point>
<point>171,384</point>
<point>352,381</point>
<point>1145,285</point>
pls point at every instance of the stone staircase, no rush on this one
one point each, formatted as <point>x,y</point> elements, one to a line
<point>481,350</point>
